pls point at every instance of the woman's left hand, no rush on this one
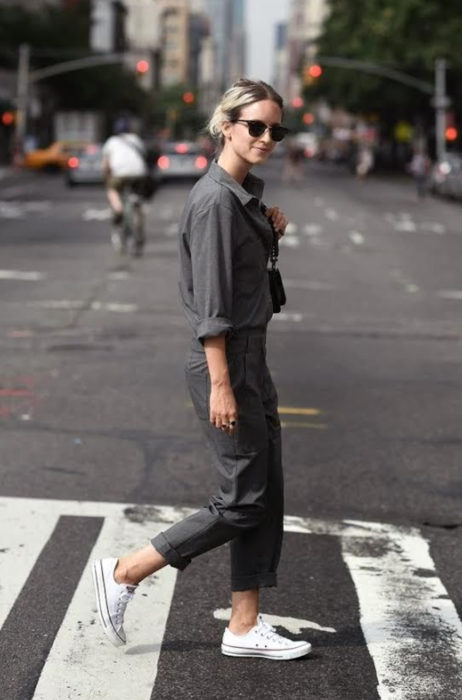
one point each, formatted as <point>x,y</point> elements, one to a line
<point>278,219</point>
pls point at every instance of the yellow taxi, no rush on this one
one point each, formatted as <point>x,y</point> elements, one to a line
<point>54,157</point>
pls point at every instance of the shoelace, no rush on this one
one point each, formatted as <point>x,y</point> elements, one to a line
<point>270,632</point>
<point>122,603</point>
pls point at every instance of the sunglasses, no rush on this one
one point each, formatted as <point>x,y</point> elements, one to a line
<point>257,128</point>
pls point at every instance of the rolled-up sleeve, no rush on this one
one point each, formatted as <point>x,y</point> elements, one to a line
<point>211,246</point>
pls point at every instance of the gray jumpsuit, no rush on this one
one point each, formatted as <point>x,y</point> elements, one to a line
<point>225,242</point>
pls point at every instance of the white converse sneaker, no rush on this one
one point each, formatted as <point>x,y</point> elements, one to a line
<point>263,640</point>
<point>111,599</point>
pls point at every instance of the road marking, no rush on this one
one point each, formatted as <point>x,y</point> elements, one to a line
<point>356,238</point>
<point>296,424</point>
<point>289,241</point>
<point>400,595</point>
<point>294,411</point>
<point>97,214</point>
<point>433,227</point>
<point>291,624</point>
<point>285,316</point>
<point>411,627</point>
<point>21,275</point>
<point>331,214</point>
<point>312,230</point>
<point>10,211</point>
<point>455,294</point>
<point>68,304</point>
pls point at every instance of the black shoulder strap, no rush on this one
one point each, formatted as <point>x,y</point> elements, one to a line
<point>274,255</point>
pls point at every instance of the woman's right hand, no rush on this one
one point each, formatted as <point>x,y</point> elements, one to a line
<point>223,408</point>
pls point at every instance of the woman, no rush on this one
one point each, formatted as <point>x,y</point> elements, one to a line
<point>225,244</point>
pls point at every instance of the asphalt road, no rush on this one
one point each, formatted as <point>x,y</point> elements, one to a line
<point>94,414</point>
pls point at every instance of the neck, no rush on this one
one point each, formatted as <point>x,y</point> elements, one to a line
<point>234,166</point>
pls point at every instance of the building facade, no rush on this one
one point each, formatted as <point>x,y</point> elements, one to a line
<point>174,41</point>
<point>306,19</point>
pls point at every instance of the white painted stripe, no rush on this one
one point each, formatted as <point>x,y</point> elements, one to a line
<point>21,275</point>
<point>113,306</point>
<point>98,670</point>
<point>455,294</point>
<point>305,284</point>
<point>24,530</point>
<point>97,214</point>
<point>34,508</point>
<point>356,237</point>
<point>411,627</point>
<point>295,317</point>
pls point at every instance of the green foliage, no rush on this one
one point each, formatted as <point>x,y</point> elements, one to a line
<point>57,34</point>
<point>407,35</point>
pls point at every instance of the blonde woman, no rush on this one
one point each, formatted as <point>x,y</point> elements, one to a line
<point>225,242</point>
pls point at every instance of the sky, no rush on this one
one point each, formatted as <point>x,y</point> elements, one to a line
<point>261,16</point>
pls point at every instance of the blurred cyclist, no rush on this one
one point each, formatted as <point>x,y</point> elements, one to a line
<point>124,165</point>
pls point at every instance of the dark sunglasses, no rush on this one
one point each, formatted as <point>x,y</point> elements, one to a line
<point>257,128</point>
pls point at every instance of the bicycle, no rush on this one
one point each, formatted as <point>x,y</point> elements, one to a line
<point>130,227</point>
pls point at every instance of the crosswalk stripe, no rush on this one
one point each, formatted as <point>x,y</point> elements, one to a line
<point>406,613</point>
<point>406,616</point>
<point>80,642</point>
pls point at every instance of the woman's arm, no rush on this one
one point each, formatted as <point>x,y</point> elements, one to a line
<point>223,408</point>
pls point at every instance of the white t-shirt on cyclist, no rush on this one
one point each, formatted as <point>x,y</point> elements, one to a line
<point>124,154</point>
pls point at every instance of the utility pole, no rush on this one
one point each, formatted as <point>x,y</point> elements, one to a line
<point>440,102</point>
<point>21,100</point>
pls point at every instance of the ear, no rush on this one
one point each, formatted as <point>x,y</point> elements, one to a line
<point>226,128</point>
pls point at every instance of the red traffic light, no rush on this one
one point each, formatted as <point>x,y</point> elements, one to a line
<point>142,66</point>
<point>308,118</point>
<point>297,102</point>
<point>451,133</point>
<point>189,98</point>
<point>7,118</point>
<point>315,71</point>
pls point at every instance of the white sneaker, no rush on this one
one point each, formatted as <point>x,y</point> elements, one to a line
<point>111,599</point>
<point>263,640</point>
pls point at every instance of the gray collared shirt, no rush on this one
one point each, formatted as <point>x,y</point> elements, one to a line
<point>225,243</point>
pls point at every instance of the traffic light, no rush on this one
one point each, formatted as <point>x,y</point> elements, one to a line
<point>312,73</point>
<point>142,67</point>
<point>189,98</point>
<point>451,133</point>
<point>308,118</point>
<point>8,118</point>
<point>297,102</point>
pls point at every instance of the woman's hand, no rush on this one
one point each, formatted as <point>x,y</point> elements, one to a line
<point>278,219</point>
<point>223,408</point>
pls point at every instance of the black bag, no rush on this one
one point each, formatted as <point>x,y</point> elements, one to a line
<point>278,294</point>
<point>148,184</point>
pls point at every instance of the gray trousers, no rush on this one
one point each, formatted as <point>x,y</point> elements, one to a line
<point>247,509</point>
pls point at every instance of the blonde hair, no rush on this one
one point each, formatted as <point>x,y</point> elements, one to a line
<point>244,92</point>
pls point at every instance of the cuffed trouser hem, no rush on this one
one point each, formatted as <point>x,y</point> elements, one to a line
<point>246,583</point>
<point>163,546</point>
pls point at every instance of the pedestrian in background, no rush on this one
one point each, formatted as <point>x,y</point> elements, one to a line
<point>293,163</point>
<point>225,243</point>
<point>420,168</point>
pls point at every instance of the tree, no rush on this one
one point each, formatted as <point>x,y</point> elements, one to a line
<point>407,35</point>
<point>58,34</point>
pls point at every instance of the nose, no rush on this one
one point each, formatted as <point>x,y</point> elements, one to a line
<point>266,138</point>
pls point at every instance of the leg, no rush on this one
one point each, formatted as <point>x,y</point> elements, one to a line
<point>136,566</point>
<point>244,615</point>
<point>255,553</point>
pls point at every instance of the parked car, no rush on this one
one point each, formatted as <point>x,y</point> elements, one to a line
<point>446,176</point>
<point>54,157</point>
<point>181,159</point>
<point>85,166</point>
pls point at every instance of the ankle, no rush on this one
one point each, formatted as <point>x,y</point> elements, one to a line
<point>122,574</point>
<point>242,625</point>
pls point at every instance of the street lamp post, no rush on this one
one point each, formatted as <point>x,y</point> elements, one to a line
<point>21,100</point>
<point>440,102</point>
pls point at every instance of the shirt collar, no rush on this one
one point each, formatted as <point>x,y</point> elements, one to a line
<point>251,188</point>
